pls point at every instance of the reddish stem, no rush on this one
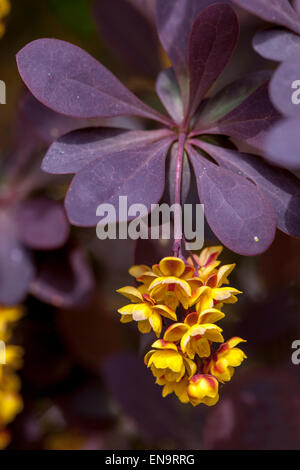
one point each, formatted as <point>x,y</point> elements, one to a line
<point>178,176</point>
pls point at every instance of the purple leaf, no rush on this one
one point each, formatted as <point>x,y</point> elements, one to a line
<point>276,11</point>
<point>282,144</point>
<point>281,187</point>
<point>251,119</point>
<point>64,278</point>
<point>42,224</point>
<point>296,5</point>
<point>137,174</point>
<point>284,88</point>
<point>174,19</point>
<point>120,24</point>
<point>158,419</point>
<point>213,38</point>
<point>168,91</point>
<point>74,151</point>
<point>16,267</point>
<point>69,81</point>
<point>238,213</point>
<point>277,44</point>
<point>230,97</point>
<point>50,125</point>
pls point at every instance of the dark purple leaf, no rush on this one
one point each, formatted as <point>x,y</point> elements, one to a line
<point>296,5</point>
<point>129,34</point>
<point>64,278</point>
<point>174,20</point>
<point>274,11</point>
<point>281,187</point>
<point>260,412</point>
<point>158,419</point>
<point>16,268</point>
<point>74,151</point>
<point>277,44</point>
<point>146,7</point>
<point>284,88</point>
<point>230,97</point>
<point>282,144</point>
<point>213,38</point>
<point>238,213</point>
<point>42,224</point>
<point>137,174</point>
<point>69,81</point>
<point>251,119</point>
<point>168,91</point>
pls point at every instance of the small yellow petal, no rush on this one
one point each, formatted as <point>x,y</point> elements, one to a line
<point>172,266</point>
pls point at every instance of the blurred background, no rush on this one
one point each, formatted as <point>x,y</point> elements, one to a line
<point>83,381</point>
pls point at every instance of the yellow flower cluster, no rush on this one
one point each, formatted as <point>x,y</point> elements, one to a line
<point>10,360</point>
<point>185,360</point>
<point>4,10</point>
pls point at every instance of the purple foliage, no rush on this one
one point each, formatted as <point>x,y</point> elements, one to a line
<point>33,226</point>
<point>199,38</point>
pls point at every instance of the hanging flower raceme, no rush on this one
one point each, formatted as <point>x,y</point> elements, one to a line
<point>10,360</point>
<point>183,302</point>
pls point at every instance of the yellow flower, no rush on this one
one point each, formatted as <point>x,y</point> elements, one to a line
<point>174,283</point>
<point>206,262</point>
<point>183,362</point>
<point>203,388</point>
<point>226,358</point>
<point>210,293</point>
<point>8,315</point>
<point>179,388</point>
<point>144,310</point>
<point>10,399</point>
<point>196,333</point>
<point>167,363</point>
<point>4,10</point>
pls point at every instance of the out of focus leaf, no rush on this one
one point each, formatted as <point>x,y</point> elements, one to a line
<point>257,415</point>
<point>277,44</point>
<point>42,224</point>
<point>282,144</point>
<point>129,34</point>
<point>91,334</point>
<point>16,265</point>
<point>64,278</point>
<point>282,88</point>
<point>276,11</point>
<point>160,420</point>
